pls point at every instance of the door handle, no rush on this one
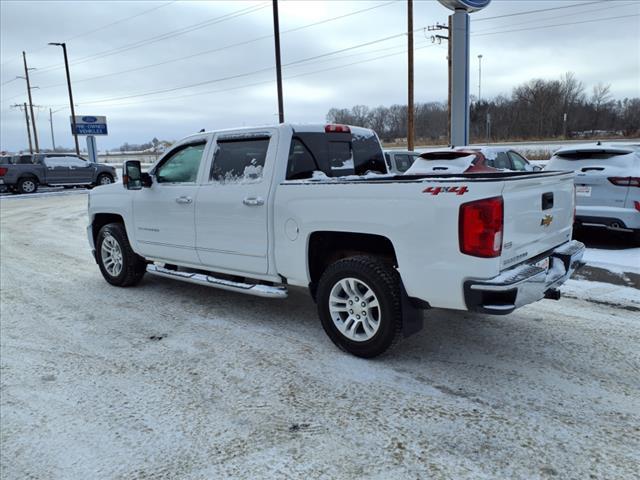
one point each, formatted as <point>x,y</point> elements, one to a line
<point>184,199</point>
<point>253,201</point>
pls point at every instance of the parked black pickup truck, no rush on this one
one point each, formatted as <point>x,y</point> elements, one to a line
<point>23,173</point>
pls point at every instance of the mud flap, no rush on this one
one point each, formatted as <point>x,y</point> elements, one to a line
<point>412,321</point>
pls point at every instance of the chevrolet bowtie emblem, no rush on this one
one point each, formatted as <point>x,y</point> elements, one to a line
<point>546,220</point>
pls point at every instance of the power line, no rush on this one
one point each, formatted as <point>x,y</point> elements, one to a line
<point>219,49</point>
<point>538,11</point>
<point>267,69</point>
<point>179,97</point>
<point>126,19</point>
<point>572,14</point>
<point>122,20</point>
<point>206,82</point>
<point>557,25</point>
<point>158,38</point>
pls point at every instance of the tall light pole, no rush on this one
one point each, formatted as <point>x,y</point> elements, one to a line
<point>73,112</point>
<point>479,78</point>
<point>33,118</point>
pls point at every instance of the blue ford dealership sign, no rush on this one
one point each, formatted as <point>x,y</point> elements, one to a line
<point>90,125</point>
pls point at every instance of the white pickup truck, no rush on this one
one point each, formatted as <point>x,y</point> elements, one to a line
<point>261,210</point>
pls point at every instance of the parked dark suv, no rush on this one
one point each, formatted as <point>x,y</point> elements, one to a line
<point>24,173</point>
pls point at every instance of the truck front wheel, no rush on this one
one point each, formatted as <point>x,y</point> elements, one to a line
<point>359,305</point>
<point>119,264</point>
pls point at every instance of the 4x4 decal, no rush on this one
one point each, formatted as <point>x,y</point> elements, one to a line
<point>437,190</point>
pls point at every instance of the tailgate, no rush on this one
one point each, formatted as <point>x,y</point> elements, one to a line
<point>538,216</point>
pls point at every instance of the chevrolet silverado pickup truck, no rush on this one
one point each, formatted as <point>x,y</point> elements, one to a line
<point>24,173</point>
<point>263,210</point>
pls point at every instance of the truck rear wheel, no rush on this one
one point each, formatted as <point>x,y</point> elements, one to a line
<point>359,305</point>
<point>27,185</point>
<point>119,264</point>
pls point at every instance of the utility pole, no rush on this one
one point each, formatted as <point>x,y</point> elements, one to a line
<point>26,117</point>
<point>479,78</point>
<point>53,140</point>
<point>33,118</point>
<point>410,110</point>
<point>276,34</point>
<point>73,113</point>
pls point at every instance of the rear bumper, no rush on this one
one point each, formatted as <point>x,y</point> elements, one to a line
<point>524,284</point>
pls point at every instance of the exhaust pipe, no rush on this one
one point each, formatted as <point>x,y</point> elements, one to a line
<point>553,294</point>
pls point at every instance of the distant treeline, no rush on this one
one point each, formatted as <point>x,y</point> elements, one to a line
<point>153,145</point>
<point>535,110</point>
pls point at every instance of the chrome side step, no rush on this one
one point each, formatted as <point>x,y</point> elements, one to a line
<point>267,291</point>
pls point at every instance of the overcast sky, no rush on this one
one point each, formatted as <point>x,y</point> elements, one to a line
<point>107,40</point>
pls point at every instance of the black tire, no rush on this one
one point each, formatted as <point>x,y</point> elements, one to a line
<point>103,179</point>
<point>384,280</point>
<point>27,185</point>
<point>133,266</point>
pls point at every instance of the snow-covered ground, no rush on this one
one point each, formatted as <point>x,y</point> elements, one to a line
<point>169,380</point>
<point>617,261</point>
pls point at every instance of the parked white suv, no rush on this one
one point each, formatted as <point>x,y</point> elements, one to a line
<point>261,210</point>
<point>607,184</point>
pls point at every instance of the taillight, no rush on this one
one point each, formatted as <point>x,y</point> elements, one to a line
<point>334,128</point>
<point>3,170</point>
<point>480,227</point>
<point>637,205</point>
<point>625,181</point>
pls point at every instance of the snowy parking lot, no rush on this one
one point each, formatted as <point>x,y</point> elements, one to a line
<point>169,380</point>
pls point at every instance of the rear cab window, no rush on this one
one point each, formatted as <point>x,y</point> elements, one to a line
<point>336,154</point>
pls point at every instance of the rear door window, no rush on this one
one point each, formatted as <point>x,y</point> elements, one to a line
<point>239,160</point>
<point>59,161</point>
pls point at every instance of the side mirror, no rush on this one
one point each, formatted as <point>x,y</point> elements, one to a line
<point>132,175</point>
<point>537,168</point>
